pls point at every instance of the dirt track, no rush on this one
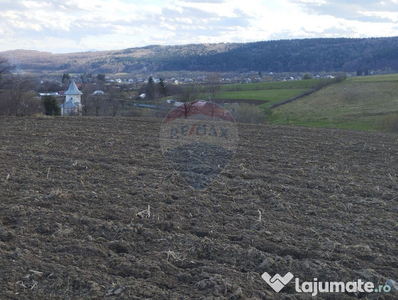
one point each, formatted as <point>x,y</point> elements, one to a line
<point>71,189</point>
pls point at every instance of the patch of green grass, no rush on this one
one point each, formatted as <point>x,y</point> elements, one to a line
<point>271,85</point>
<point>272,96</point>
<point>272,91</point>
<point>357,103</point>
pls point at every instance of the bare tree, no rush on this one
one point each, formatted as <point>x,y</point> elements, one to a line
<point>87,91</point>
<point>115,107</point>
<point>18,96</point>
<point>188,97</point>
<point>213,86</point>
<point>16,92</point>
<point>98,103</point>
<point>5,69</point>
<point>92,105</point>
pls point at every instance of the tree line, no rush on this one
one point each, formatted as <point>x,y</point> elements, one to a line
<point>304,55</point>
<point>17,96</point>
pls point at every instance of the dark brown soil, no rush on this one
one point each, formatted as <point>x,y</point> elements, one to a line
<point>199,164</point>
<point>318,203</point>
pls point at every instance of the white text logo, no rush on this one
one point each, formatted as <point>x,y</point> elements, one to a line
<point>277,282</point>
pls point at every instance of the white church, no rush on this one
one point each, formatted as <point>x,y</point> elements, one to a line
<point>72,105</point>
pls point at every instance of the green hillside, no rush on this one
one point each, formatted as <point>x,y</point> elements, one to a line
<point>356,103</point>
<point>294,55</point>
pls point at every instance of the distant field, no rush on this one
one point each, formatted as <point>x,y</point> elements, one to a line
<point>272,85</point>
<point>271,96</point>
<point>360,103</point>
<point>357,103</point>
<point>272,92</point>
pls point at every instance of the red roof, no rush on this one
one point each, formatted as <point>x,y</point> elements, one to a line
<point>199,108</point>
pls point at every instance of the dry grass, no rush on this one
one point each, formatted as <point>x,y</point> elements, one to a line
<point>389,123</point>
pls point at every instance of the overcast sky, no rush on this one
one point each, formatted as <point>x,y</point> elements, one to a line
<point>83,25</point>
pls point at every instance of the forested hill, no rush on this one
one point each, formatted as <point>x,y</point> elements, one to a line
<point>322,54</point>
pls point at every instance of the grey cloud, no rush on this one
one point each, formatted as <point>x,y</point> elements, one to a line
<point>212,19</point>
<point>374,19</point>
<point>350,10</point>
<point>281,35</point>
<point>231,22</point>
<point>50,6</point>
<point>240,12</point>
<point>75,33</point>
<point>348,31</point>
<point>200,32</point>
<point>188,12</point>
<point>79,29</point>
<point>329,32</point>
<point>11,5</point>
<point>171,13</point>
<point>289,34</point>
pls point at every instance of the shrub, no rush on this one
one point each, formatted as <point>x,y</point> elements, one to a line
<point>389,123</point>
<point>51,107</point>
<point>144,113</point>
<point>246,113</point>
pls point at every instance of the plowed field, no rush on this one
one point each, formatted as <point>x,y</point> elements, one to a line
<point>90,209</point>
